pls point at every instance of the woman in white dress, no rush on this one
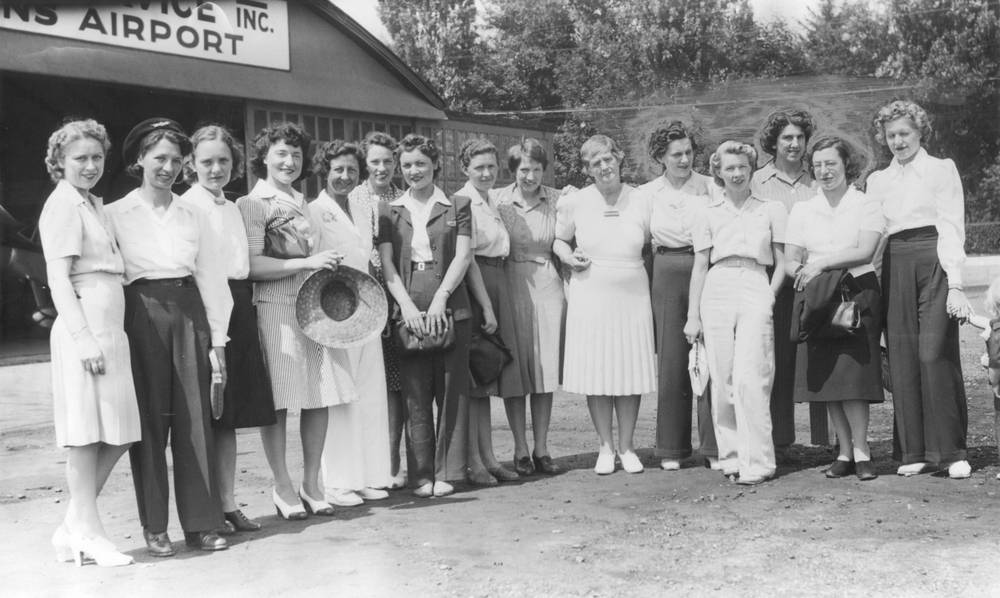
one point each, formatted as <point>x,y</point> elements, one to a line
<point>304,376</point>
<point>96,415</point>
<point>356,461</point>
<point>609,352</point>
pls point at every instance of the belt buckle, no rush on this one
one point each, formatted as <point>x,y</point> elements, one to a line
<point>421,266</point>
<point>539,260</point>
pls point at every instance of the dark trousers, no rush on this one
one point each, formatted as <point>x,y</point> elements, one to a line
<point>435,451</point>
<point>671,281</point>
<point>169,338</point>
<point>928,393</point>
<point>783,391</point>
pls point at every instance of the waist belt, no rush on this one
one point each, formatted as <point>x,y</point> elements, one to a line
<point>537,259</point>
<point>496,262</point>
<point>184,281</point>
<point>738,262</point>
<point>661,250</point>
<point>421,266</point>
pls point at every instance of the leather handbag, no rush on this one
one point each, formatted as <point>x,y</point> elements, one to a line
<point>845,317</point>
<point>283,239</point>
<point>410,342</point>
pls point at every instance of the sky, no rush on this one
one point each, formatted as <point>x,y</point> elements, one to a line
<point>793,11</point>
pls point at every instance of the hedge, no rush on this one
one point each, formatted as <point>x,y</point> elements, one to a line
<point>982,238</point>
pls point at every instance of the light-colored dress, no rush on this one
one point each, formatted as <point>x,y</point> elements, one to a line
<point>609,320</point>
<point>356,453</point>
<point>304,375</point>
<point>536,289</point>
<point>89,408</point>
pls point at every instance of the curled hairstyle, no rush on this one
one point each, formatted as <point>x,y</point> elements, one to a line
<point>854,162</point>
<point>477,146</point>
<point>662,136</point>
<point>214,133</point>
<point>528,148</point>
<point>424,145</point>
<point>600,143</point>
<point>897,109</point>
<point>290,133</point>
<point>378,138</point>
<point>152,138</point>
<point>733,148</point>
<point>331,150</point>
<point>71,131</point>
<point>776,123</point>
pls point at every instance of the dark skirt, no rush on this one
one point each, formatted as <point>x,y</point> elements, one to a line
<point>849,368</point>
<point>247,401</point>
<point>510,383</point>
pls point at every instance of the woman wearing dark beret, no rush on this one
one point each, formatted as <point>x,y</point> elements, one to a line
<point>177,308</point>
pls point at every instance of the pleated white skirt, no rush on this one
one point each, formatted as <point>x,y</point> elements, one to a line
<point>609,331</point>
<point>91,408</point>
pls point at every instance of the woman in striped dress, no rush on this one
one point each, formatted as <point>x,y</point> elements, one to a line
<point>304,375</point>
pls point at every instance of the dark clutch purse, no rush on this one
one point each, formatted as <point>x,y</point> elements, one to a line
<point>283,240</point>
<point>488,356</point>
<point>410,342</point>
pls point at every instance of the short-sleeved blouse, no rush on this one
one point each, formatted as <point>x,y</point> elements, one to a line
<point>263,203</point>
<point>747,231</point>
<point>771,183</point>
<point>489,236</point>
<point>673,211</point>
<point>925,192</point>
<point>71,226</point>
<point>823,230</point>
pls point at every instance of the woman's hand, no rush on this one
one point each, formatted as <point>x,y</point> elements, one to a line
<point>958,305</point>
<point>580,261</point>
<point>692,330</point>
<point>328,259</point>
<point>489,321</point>
<point>90,352</point>
<point>806,274</point>
<point>412,317</point>
<point>436,320</point>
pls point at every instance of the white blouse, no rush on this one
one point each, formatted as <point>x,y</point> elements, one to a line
<point>925,192</point>
<point>226,223</point>
<point>747,231</point>
<point>420,213</point>
<point>174,245</point>
<point>823,231</point>
<point>673,211</point>
<point>489,236</point>
<point>337,231</point>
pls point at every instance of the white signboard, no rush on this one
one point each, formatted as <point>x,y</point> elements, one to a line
<point>248,32</point>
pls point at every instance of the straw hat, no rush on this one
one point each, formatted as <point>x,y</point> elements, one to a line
<point>341,308</point>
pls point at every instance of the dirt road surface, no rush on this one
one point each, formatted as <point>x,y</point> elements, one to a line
<point>686,533</point>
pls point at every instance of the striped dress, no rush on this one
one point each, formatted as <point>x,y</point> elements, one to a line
<point>304,375</point>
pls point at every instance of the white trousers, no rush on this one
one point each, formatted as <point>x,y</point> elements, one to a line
<point>736,315</point>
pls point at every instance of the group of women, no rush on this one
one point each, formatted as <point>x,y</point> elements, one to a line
<point>558,277</point>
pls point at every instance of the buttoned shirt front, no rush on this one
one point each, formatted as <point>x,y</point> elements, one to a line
<point>489,236</point>
<point>420,212</point>
<point>229,235</point>
<point>673,210</point>
<point>73,226</point>
<point>770,183</point>
<point>925,192</point>
<point>747,231</point>
<point>532,228</point>
<point>823,230</point>
<point>172,245</point>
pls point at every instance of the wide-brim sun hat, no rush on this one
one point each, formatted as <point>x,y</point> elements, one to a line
<point>341,308</point>
<point>130,147</point>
